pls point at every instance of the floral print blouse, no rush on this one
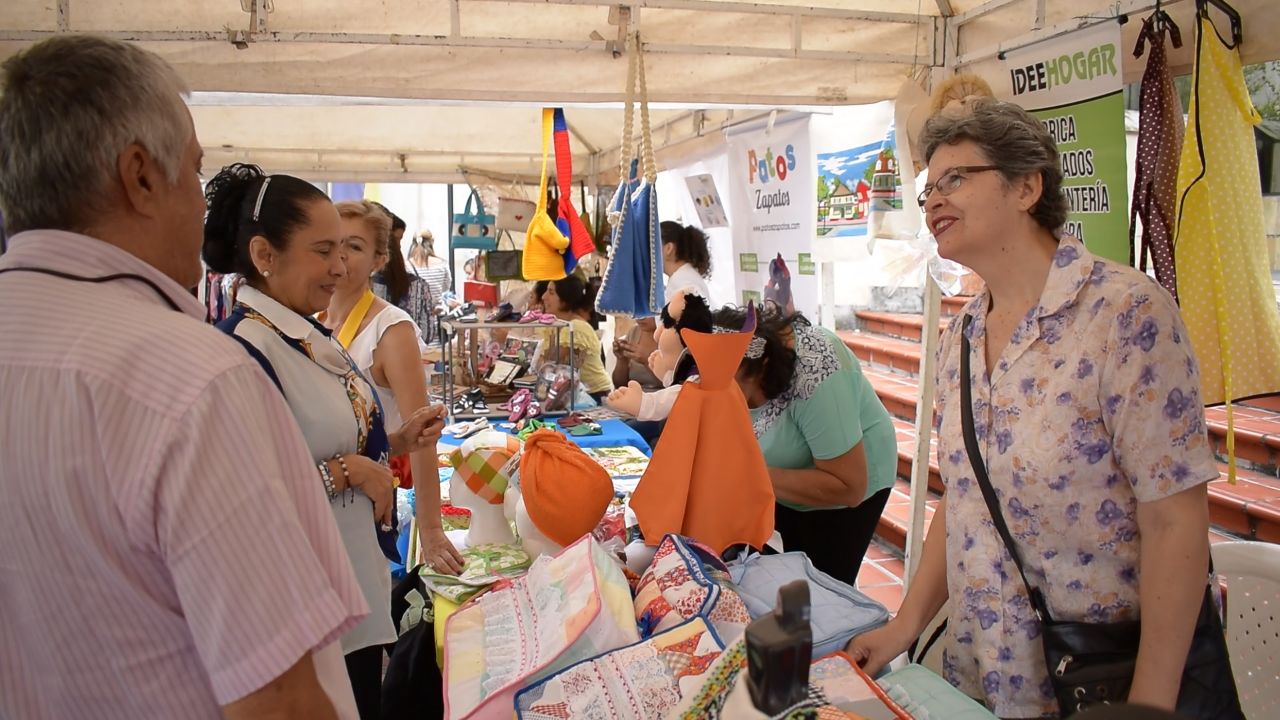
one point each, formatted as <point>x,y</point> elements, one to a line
<point>1092,408</point>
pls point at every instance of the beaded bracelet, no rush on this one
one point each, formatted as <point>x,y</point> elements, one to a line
<point>330,488</point>
<point>346,474</point>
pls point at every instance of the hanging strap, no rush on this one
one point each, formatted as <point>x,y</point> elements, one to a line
<point>646,137</point>
<point>546,150</point>
<point>352,324</point>
<point>980,474</point>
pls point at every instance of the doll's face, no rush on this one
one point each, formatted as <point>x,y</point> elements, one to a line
<point>667,336</point>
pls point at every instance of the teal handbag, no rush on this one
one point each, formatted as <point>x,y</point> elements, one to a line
<point>473,228</point>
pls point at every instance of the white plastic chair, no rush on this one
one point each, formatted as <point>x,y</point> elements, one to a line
<point>1252,572</point>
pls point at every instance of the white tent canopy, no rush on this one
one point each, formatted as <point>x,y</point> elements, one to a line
<point>410,90</point>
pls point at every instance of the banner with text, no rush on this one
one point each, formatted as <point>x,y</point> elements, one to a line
<point>772,194</point>
<point>1074,84</point>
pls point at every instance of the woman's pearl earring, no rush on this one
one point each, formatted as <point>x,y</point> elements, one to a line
<point>266,273</point>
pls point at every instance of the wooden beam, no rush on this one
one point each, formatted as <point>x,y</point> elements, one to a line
<point>944,8</point>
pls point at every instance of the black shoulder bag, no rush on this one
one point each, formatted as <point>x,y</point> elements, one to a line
<point>1093,663</point>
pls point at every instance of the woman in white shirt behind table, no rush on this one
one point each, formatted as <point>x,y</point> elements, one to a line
<point>284,237</point>
<point>686,260</point>
<point>384,342</point>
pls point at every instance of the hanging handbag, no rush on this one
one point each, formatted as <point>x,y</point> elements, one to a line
<point>514,214</point>
<point>473,228</point>
<point>504,264</point>
<point>580,243</point>
<point>1093,663</point>
<point>546,239</point>
<point>633,284</point>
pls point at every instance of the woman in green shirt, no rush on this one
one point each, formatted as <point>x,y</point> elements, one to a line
<point>828,441</point>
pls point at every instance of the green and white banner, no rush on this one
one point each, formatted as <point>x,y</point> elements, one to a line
<point>1074,84</point>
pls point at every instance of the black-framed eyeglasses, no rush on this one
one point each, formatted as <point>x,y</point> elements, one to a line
<point>951,181</point>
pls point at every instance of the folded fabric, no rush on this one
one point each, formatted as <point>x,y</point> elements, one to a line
<point>844,684</point>
<point>568,608</point>
<point>644,681</point>
<point>838,611</point>
<point>925,696</point>
<point>484,565</point>
<point>687,580</point>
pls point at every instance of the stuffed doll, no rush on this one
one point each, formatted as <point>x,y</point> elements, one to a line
<point>671,362</point>
<point>778,289</point>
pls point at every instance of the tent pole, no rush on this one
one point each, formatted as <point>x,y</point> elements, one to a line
<point>920,450</point>
<point>453,276</point>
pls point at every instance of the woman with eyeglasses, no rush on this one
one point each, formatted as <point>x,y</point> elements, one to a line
<point>1087,417</point>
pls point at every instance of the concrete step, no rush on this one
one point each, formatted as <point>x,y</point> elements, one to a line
<point>900,325</point>
<point>952,305</point>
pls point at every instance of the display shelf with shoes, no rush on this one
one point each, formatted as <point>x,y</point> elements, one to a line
<point>474,383</point>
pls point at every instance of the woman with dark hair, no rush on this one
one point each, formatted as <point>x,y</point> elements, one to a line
<point>573,299</point>
<point>285,238</point>
<point>395,284</point>
<point>686,260</point>
<point>828,441</point>
<point>1088,422</point>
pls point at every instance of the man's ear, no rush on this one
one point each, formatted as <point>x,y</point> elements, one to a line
<point>142,180</point>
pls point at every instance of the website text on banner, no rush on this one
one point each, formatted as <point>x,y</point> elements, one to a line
<point>771,191</point>
<point>1074,85</point>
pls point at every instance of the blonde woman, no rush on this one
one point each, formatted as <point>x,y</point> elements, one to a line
<point>383,341</point>
<point>432,268</point>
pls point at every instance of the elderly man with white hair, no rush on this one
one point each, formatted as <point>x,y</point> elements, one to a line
<point>166,546</point>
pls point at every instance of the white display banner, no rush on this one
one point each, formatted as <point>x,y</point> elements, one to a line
<point>772,191</point>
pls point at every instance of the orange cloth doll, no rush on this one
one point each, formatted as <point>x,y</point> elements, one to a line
<point>708,479</point>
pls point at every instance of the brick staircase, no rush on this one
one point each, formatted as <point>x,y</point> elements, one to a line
<point>888,345</point>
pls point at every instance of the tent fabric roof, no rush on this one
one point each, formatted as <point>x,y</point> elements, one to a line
<point>412,89</point>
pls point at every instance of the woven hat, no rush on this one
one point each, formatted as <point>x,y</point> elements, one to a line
<point>485,463</point>
<point>565,492</point>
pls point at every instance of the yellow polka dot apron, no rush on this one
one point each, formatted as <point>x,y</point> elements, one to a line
<point>1224,272</point>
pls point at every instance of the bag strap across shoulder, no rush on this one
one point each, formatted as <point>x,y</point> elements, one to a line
<point>980,474</point>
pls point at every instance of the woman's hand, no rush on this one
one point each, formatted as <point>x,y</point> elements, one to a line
<point>420,431</point>
<point>375,481</point>
<point>438,553</point>
<point>873,650</point>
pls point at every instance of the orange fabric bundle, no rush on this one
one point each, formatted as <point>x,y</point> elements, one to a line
<point>565,492</point>
<point>708,479</point>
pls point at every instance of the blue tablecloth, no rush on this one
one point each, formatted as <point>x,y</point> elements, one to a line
<point>616,433</point>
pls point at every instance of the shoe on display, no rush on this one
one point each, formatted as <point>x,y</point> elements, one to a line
<point>462,405</point>
<point>502,313</point>
<point>478,405</point>
<point>520,405</point>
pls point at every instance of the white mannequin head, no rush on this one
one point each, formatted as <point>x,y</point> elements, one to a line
<point>531,538</point>
<point>488,520</point>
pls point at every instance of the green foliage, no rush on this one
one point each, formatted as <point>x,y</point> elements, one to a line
<point>1263,81</point>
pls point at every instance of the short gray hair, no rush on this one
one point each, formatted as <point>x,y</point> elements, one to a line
<point>1013,140</point>
<point>68,107</point>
